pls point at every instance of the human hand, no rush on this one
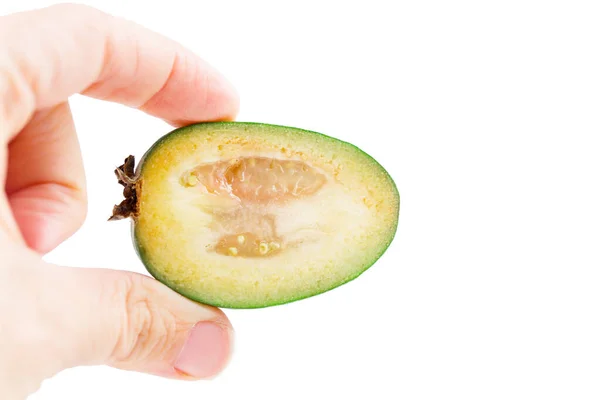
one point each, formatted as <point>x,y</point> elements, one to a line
<point>56,317</point>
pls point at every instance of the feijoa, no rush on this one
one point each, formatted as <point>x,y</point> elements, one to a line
<point>248,215</point>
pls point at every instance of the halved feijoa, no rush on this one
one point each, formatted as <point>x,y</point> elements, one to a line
<point>247,215</point>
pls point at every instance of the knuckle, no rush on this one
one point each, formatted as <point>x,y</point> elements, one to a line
<point>17,100</point>
<point>146,331</point>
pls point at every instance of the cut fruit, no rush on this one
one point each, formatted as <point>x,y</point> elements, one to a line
<point>248,215</point>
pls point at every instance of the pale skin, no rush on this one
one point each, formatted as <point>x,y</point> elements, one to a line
<point>55,317</point>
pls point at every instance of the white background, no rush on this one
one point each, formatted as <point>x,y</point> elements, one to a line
<point>486,114</point>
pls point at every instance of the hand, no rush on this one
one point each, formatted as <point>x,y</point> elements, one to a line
<point>56,317</point>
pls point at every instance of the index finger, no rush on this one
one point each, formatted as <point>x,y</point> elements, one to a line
<point>78,49</point>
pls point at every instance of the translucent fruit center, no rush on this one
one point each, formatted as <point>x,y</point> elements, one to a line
<point>257,184</point>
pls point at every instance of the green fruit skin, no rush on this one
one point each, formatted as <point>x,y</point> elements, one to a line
<point>240,305</point>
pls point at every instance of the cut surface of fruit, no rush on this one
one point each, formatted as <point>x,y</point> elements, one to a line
<point>247,215</point>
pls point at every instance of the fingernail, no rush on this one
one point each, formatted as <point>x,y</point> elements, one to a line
<point>205,352</point>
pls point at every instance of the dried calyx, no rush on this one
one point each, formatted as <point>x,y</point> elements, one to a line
<point>126,177</point>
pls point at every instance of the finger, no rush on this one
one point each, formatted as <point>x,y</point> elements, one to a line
<point>124,320</point>
<point>74,48</point>
<point>9,230</point>
<point>45,182</point>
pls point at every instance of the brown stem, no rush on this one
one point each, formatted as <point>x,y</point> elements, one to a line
<point>126,177</point>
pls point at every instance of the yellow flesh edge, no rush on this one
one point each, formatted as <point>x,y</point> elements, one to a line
<point>355,211</point>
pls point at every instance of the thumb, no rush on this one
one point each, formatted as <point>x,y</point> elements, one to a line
<point>133,322</point>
